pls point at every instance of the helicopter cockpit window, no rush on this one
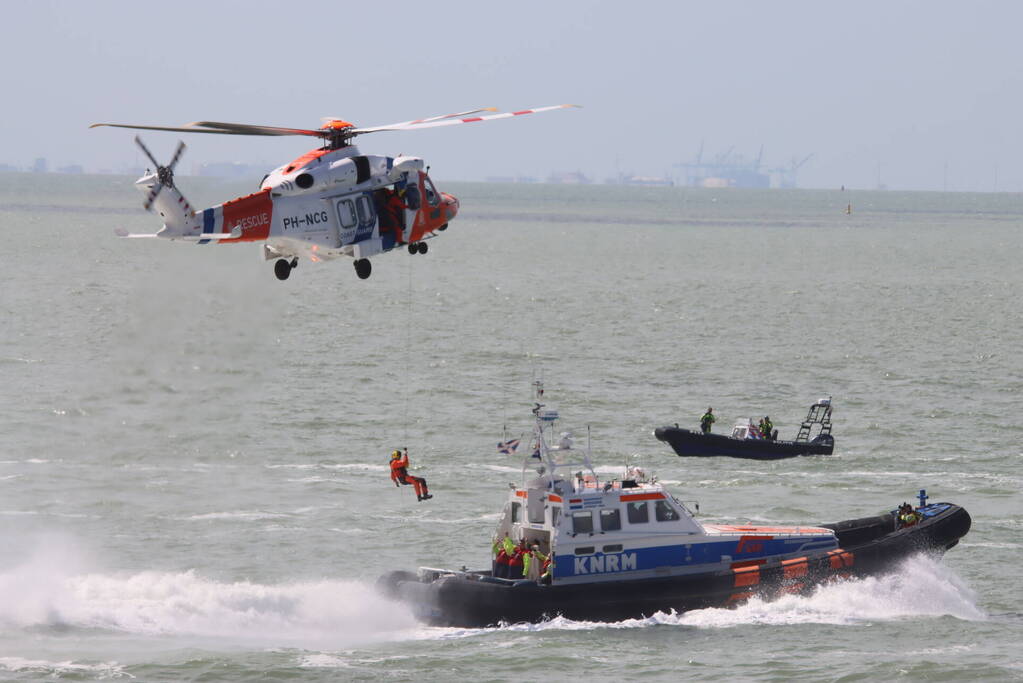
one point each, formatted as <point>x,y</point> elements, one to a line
<point>346,213</point>
<point>432,196</point>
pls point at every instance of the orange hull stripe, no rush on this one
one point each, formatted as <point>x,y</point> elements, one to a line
<point>748,563</point>
<point>747,576</point>
<point>792,569</point>
<point>736,597</point>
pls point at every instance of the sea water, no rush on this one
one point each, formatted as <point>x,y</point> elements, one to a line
<point>193,470</point>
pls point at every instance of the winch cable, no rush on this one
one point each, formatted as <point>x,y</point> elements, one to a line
<point>407,354</point>
<point>408,346</point>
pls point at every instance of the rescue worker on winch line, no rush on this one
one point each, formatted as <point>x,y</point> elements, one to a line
<point>400,475</point>
<point>707,420</point>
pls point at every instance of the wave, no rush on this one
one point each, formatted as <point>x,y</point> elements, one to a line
<point>47,592</point>
<point>69,669</point>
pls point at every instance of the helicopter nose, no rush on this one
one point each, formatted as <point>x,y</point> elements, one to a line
<point>450,205</point>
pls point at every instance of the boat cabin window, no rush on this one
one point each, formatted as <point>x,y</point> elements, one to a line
<point>555,516</point>
<point>582,522</point>
<point>588,550</point>
<point>638,513</point>
<point>535,508</point>
<point>515,512</point>
<point>610,519</point>
<point>664,512</point>
<point>616,548</point>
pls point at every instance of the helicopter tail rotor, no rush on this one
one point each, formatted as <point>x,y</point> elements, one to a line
<point>164,174</point>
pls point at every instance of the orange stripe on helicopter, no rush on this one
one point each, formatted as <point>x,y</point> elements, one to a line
<point>309,156</point>
<point>553,498</point>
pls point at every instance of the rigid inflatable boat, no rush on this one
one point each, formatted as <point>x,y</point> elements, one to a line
<point>629,548</point>
<point>746,441</point>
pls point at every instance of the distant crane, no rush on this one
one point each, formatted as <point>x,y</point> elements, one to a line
<point>725,170</point>
<point>787,174</point>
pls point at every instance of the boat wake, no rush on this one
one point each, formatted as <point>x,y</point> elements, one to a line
<point>920,587</point>
<point>47,592</point>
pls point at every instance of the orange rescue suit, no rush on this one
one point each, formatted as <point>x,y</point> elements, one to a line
<point>400,475</point>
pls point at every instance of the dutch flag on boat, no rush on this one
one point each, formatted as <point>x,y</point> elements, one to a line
<point>507,447</point>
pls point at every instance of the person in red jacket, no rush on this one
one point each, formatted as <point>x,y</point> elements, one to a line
<point>515,561</point>
<point>501,564</point>
<point>400,475</point>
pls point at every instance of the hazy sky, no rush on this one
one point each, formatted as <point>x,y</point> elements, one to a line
<point>929,93</point>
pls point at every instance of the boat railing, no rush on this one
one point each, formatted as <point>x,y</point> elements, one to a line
<point>433,573</point>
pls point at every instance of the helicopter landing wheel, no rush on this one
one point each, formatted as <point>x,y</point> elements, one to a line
<point>423,247</point>
<point>413,247</point>
<point>282,269</point>
<point>363,268</point>
<point>443,227</point>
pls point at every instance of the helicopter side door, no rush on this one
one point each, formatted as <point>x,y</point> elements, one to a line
<point>356,218</point>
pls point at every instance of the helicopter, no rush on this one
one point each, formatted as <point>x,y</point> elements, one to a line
<point>330,202</point>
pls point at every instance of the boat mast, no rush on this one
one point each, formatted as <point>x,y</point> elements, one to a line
<point>548,454</point>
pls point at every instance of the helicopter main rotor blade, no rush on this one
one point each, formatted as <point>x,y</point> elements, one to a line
<point>172,129</point>
<point>247,129</point>
<point>427,120</point>
<point>454,122</point>
<point>138,141</point>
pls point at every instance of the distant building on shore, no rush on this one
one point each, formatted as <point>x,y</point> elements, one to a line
<point>568,178</point>
<point>511,179</point>
<point>640,180</point>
